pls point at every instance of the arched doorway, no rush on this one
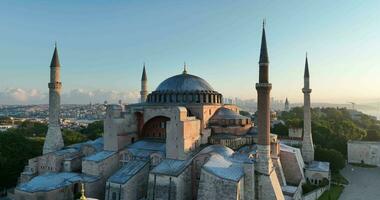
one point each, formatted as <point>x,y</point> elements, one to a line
<point>155,128</point>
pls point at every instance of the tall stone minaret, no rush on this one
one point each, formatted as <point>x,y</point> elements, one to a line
<point>263,88</point>
<point>268,186</point>
<point>54,140</point>
<point>144,86</point>
<point>307,142</point>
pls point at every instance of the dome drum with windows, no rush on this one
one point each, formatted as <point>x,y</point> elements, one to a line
<point>184,89</point>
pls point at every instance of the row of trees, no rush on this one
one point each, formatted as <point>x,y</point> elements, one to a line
<point>18,145</point>
<point>331,128</point>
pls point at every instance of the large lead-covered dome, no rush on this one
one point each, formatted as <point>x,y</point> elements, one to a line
<point>184,83</point>
<point>184,89</point>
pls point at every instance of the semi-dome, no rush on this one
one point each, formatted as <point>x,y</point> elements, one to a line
<point>184,83</point>
<point>184,89</point>
<point>226,117</point>
<point>225,113</point>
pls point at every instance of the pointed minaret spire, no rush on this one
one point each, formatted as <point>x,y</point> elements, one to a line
<point>184,68</point>
<point>144,86</point>
<point>143,77</point>
<point>306,74</point>
<point>55,59</point>
<point>263,51</point>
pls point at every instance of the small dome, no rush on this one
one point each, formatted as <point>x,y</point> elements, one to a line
<point>225,113</point>
<point>184,83</point>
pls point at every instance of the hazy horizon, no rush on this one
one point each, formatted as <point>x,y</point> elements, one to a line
<point>102,47</point>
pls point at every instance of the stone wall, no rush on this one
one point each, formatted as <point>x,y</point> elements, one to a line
<point>364,151</point>
<point>63,193</point>
<point>134,189</point>
<point>104,169</point>
<point>268,187</point>
<point>58,194</point>
<point>72,164</point>
<point>249,181</point>
<point>233,142</point>
<point>191,137</point>
<point>50,163</point>
<point>118,126</point>
<point>292,169</point>
<point>279,171</point>
<point>316,177</point>
<point>163,187</point>
<point>214,188</point>
<point>315,194</point>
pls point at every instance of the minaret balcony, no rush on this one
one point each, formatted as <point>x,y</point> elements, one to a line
<point>56,85</point>
<point>306,90</point>
<point>263,86</point>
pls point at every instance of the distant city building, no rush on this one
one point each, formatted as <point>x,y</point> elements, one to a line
<point>287,105</point>
<point>295,132</point>
<point>4,127</point>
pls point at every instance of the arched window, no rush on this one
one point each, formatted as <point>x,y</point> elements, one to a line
<point>170,98</point>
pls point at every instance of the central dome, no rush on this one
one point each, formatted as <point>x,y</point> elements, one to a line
<point>184,83</point>
<point>184,89</point>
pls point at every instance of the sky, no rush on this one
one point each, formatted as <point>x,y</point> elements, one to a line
<point>103,44</point>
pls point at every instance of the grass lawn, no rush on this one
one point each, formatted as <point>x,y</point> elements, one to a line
<point>338,178</point>
<point>333,193</point>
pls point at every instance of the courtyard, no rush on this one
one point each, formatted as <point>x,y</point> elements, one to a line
<point>364,183</point>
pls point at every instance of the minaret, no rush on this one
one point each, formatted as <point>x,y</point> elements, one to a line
<point>307,142</point>
<point>263,109</point>
<point>144,86</point>
<point>53,140</point>
<point>268,186</point>
<point>287,106</point>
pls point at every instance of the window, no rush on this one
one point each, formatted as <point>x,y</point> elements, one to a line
<point>113,195</point>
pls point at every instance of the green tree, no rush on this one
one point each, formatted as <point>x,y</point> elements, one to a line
<point>15,150</point>
<point>280,129</point>
<point>72,137</point>
<point>93,130</point>
<point>335,158</point>
<point>373,135</point>
<point>30,129</point>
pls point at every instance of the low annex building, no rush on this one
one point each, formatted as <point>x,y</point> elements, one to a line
<point>365,152</point>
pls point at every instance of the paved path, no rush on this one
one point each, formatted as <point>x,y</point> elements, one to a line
<point>364,183</point>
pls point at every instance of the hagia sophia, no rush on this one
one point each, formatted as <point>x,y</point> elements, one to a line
<point>180,142</point>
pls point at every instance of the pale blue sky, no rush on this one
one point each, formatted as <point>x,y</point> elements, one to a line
<point>103,44</point>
